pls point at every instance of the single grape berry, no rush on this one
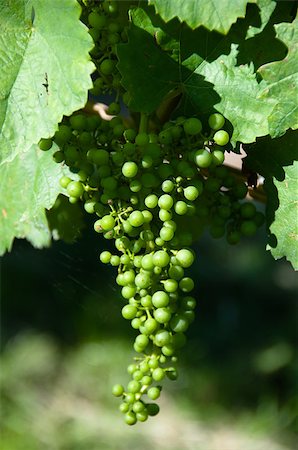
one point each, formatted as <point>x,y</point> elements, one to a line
<point>203,158</point>
<point>129,169</point>
<point>221,137</point>
<point>192,126</point>
<point>45,144</point>
<point>216,121</point>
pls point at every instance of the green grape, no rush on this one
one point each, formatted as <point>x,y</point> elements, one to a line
<point>192,126</point>
<point>136,218</point>
<point>118,390</point>
<point>78,122</point>
<point>247,210</point>
<point>166,234</point>
<point>170,285</point>
<point>133,386</point>
<point>179,323</point>
<point>164,215</point>
<point>167,186</point>
<point>153,393</point>
<point>161,258</point>
<point>75,189</point>
<point>130,418</point>
<point>107,222</point>
<point>165,137</point>
<point>162,337</point>
<point>96,20</point>
<point>162,315</point>
<point>203,158</point>
<point>129,312</point>
<point>150,325</point>
<point>115,260</point>
<point>45,144</point>
<point>248,228</point>
<point>107,67</point>
<point>191,193</point>
<point>151,201</point>
<point>221,137</point>
<point>152,409</point>
<point>160,299</point>
<point>216,121</point>
<point>142,341</point>
<point>186,284</point>
<point>142,139</point>
<point>181,208</point>
<point>63,135</point>
<point>218,157</point>
<point>124,407</point>
<point>105,257</point>
<point>64,181</point>
<point>185,257</point>
<point>176,272</point>
<point>147,262</point>
<point>143,280</point>
<point>165,201</point>
<point>158,374</point>
<point>129,169</point>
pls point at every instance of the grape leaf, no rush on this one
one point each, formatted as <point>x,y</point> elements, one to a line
<point>238,88</point>
<point>209,79</point>
<point>281,79</point>
<point>45,69</point>
<point>157,73</point>
<point>29,184</point>
<point>285,226</point>
<point>266,8</point>
<point>217,16</point>
<point>272,158</point>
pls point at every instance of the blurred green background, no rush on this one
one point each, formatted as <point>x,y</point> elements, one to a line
<point>64,344</point>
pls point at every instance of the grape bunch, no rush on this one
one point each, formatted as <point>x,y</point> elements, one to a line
<point>153,194</point>
<point>153,191</point>
<point>107,27</point>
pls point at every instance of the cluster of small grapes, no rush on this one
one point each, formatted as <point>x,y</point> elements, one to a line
<point>154,194</point>
<point>107,26</point>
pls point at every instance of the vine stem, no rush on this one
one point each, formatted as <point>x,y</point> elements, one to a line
<point>143,123</point>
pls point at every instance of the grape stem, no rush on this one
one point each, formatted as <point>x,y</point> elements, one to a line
<point>143,123</point>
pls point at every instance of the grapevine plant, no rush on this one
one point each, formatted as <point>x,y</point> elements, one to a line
<point>188,83</point>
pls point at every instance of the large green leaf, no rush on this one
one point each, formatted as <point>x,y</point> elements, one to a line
<point>205,70</point>
<point>155,76</point>
<point>238,88</point>
<point>29,184</point>
<point>273,158</point>
<point>266,8</point>
<point>45,69</point>
<point>217,16</point>
<point>285,225</point>
<point>281,82</point>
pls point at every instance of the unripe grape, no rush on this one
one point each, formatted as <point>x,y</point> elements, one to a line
<point>153,393</point>
<point>118,390</point>
<point>75,189</point>
<point>158,374</point>
<point>185,257</point>
<point>202,158</point>
<point>45,144</point>
<point>216,121</point>
<point>221,137</point>
<point>105,257</point>
<point>160,299</point>
<point>129,312</point>
<point>107,67</point>
<point>161,258</point>
<point>192,126</point>
<point>129,169</point>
